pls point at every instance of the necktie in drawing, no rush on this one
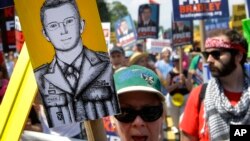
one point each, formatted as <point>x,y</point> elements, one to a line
<point>72,76</point>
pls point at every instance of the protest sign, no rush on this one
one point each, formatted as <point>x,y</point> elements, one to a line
<point>199,9</point>
<point>125,31</point>
<point>72,69</point>
<point>182,33</point>
<point>156,46</point>
<point>239,13</point>
<point>106,32</point>
<point>7,26</point>
<point>148,21</point>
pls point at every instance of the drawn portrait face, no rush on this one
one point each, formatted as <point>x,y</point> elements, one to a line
<point>62,26</point>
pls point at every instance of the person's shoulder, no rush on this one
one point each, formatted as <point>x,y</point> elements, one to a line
<point>195,93</point>
<point>152,23</point>
<point>103,56</point>
<point>41,69</point>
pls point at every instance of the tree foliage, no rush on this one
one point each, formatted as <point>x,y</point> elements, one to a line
<point>103,11</point>
<point>111,12</point>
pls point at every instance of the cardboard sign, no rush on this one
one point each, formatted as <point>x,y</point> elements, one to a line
<point>6,3</point>
<point>217,23</point>
<point>156,46</point>
<point>106,32</point>
<point>7,26</point>
<point>69,56</point>
<point>19,34</point>
<point>125,31</point>
<point>182,33</point>
<point>239,13</point>
<point>199,9</point>
<point>148,21</point>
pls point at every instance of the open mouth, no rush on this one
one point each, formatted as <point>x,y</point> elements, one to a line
<point>139,138</point>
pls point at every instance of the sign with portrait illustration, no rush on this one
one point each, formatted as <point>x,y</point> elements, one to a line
<point>182,32</point>
<point>199,9</point>
<point>69,56</point>
<point>148,21</point>
<point>125,31</point>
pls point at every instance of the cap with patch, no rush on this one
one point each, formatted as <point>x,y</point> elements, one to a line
<point>117,49</point>
<point>137,78</point>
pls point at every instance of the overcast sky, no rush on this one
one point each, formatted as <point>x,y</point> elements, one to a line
<point>165,9</point>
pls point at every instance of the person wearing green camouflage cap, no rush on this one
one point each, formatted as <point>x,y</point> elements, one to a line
<point>142,105</point>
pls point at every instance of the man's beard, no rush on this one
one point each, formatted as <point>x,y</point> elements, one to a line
<point>225,70</point>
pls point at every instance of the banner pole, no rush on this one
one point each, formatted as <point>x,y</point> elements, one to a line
<point>180,59</point>
<point>95,130</point>
<point>202,35</point>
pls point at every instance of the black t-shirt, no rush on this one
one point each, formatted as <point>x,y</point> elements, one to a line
<point>33,116</point>
<point>174,78</point>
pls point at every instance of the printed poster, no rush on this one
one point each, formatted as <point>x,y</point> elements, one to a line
<point>199,9</point>
<point>18,34</point>
<point>125,31</point>
<point>239,13</point>
<point>106,32</point>
<point>148,21</point>
<point>156,46</point>
<point>216,23</point>
<point>182,32</point>
<point>69,56</point>
<point>7,26</point>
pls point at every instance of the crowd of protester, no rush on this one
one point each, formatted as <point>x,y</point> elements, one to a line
<point>176,95</point>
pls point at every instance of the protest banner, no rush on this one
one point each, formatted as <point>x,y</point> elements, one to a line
<point>239,13</point>
<point>199,9</point>
<point>7,26</point>
<point>125,31</point>
<point>156,46</point>
<point>18,34</point>
<point>72,70</point>
<point>110,130</point>
<point>247,2</point>
<point>216,23</point>
<point>182,33</point>
<point>106,32</point>
<point>148,21</point>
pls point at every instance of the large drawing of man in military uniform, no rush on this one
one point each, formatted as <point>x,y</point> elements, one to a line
<point>77,84</point>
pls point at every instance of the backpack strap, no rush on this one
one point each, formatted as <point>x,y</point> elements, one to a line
<point>202,94</point>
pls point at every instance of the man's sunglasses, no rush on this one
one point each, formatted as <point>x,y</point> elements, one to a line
<point>148,114</point>
<point>215,54</point>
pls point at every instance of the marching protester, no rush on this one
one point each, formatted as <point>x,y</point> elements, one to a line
<point>224,100</point>
<point>178,86</point>
<point>141,59</point>
<point>142,105</point>
<point>117,58</point>
<point>163,67</point>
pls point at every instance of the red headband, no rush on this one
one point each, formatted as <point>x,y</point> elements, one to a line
<point>218,43</point>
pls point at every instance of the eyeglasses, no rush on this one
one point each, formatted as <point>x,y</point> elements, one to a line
<point>148,114</point>
<point>215,54</point>
<point>66,22</point>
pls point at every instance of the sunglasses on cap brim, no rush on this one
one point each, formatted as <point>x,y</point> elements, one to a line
<point>147,113</point>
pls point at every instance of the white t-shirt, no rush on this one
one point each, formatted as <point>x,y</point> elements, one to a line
<point>69,130</point>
